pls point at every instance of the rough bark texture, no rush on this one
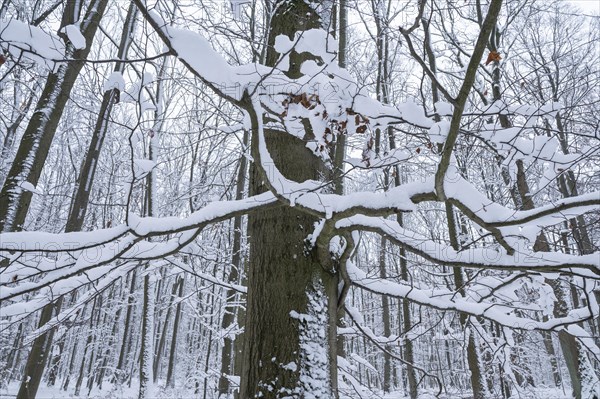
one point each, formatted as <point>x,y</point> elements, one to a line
<point>282,275</point>
<point>147,332</point>
<point>290,333</point>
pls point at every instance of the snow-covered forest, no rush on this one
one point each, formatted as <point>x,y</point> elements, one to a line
<point>299,199</point>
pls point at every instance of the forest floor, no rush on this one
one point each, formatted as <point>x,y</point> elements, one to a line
<point>124,392</point>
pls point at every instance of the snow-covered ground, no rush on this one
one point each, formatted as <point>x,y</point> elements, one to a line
<point>109,391</point>
<point>124,392</point>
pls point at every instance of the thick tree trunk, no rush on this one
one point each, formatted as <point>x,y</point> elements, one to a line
<point>292,301</point>
<point>290,330</point>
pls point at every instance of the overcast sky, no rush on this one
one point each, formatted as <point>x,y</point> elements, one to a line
<point>589,6</point>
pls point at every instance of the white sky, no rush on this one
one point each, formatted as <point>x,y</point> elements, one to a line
<point>588,6</point>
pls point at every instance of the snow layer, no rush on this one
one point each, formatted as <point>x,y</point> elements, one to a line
<point>33,43</point>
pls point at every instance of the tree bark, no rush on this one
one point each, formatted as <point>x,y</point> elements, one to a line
<point>147,350</point>
<point>385,315</point>
<point>290,330</point>
<point>121,364</point>
<point>340,150</point>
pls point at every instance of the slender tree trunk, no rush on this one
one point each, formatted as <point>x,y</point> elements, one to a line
<point>34,368</point>
<point>109,99</point>
<point>88,344</point>
<point>340,149</point>
<point>38,136</point>
<point>55,360</point>
<point>67,377</point>
<point>125,342</point>
<point>477,381</point>
<point>173,351</point>
<point>209,344</point>
<point>570,347</point>
<point>522,200</point>
<point>18,115</point>
<point>385,315</point>
<point>13,355</point>
<point>149,295</point>
<point>382,95</point>
<point>147,333</point>
<point>408,351</point>
<point>227,353</point>
<point>42,344</point>
<point>94,346</point>
<point>163,334</point>
<point>109,348</point>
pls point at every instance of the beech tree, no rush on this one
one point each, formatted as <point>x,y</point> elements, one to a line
<point>302,199</point>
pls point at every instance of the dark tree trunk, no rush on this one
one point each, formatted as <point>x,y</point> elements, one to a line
<point>125,342</point>
<point>163,334</point>
<point>477,382</point>
<point>290,330</point>
<point>173,351</point>
<point>282,279</point>
<point>34,368</point>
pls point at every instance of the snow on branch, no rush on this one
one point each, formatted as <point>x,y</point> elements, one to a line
<point>481,258</point>
<point>85,251</point>
<point>23,40</point>
<point>444,299</point>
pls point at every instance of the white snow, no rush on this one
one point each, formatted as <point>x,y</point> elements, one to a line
<point>25,185</point>
<point>115,81</point>
<point>141,167</point>
<point>33,43</point>
<point>73,32</point>
<point>444,108</point>
<point>439,131</point>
